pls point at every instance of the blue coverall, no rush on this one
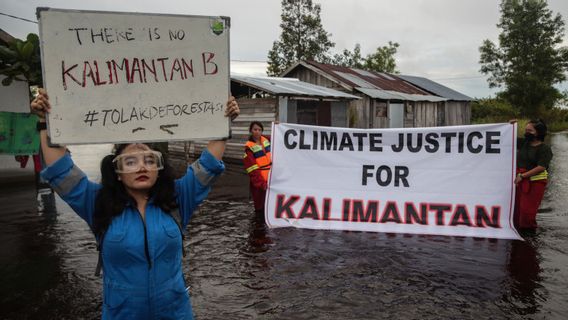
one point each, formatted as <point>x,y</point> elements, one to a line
<point>140,283</point>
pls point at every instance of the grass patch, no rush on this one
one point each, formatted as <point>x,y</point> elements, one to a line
<point>558,126</point>
<point>498,111</point>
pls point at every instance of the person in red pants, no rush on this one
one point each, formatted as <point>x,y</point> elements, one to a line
<point>533,159</point>
<point>257,161</point>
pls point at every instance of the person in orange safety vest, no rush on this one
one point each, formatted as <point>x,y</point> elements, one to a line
<point>257,162</point>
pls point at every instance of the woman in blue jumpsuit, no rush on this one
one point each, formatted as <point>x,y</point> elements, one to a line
<point>131,215</point>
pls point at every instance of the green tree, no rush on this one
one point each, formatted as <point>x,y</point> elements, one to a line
<point>303,37</point>
<point>382,60</point>
<point>351,59</point>
<point>492,110</point>
<point>21,61</point>
<point>528,60</point>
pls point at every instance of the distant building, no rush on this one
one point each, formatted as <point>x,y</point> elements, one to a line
<point>5,37</point>
<point>267,99</point>
<point>457,106</point>
<point>387,100</point>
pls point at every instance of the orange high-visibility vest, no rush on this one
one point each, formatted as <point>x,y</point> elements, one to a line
<point>261,155</point>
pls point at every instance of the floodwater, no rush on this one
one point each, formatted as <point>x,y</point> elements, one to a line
<point>239,269</point>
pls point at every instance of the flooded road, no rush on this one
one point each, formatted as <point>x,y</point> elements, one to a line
<point>238,269</point>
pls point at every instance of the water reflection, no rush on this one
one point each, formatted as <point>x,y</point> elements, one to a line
<point>28,260</point>
<point>46,203</point>
<point>524,269</point>
<point>258,240</point>
<point>240,269</point>
<point>314,274</point>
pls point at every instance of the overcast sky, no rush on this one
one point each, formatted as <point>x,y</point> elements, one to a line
<point>439,39</point>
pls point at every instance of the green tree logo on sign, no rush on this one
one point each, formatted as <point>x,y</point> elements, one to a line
<point>218,27</point>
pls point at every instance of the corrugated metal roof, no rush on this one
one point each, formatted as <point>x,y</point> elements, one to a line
<point>436,88</point>
<point>354,78</point>
<point>291,87</point>
<point>394,95</point>
<point>364,72</point>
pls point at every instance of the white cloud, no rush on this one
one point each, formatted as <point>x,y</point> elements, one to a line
<point>439,39</point>
<point>249,68</point>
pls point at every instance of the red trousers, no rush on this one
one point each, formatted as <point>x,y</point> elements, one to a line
<point>528,196</point>
<point>258,196</point>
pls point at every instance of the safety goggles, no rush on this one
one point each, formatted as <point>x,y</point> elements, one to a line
<point>134,161</point>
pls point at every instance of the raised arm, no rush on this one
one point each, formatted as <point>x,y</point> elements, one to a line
<point>217,147</point>
<point>40,106</point>
<point>61,173</point>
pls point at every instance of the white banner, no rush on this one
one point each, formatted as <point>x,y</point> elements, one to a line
<point>125,77</point>
<point>455,181</point>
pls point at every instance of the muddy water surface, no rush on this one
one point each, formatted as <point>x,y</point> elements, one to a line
<point>238,269</point>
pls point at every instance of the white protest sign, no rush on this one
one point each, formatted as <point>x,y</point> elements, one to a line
<point>124,77</point>
<point>455,181</point>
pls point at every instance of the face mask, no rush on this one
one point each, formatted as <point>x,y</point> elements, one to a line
<point>530,136</point>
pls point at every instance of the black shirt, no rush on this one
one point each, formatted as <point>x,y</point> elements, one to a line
<point>529,156</point>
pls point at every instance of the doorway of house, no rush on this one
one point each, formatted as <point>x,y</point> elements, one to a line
<point>396,115</point>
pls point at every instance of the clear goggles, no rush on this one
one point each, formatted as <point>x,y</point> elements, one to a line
<point>134,161</point>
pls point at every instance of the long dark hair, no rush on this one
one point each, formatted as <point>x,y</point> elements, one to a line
<point>252,124</point>
<point>540,128</point>
<point>112,198</point>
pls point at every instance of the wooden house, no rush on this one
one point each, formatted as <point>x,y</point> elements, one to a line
<point>267,99</point>
<point>456,108</point>
<point>387,100</point>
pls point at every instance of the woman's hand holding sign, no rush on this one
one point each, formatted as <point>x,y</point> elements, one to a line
<point>40,104</point>
<point>232,111</point>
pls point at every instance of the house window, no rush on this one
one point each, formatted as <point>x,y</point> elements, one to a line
<point>409,110</point>
<point>380,109</point>
<point>307,113</point>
